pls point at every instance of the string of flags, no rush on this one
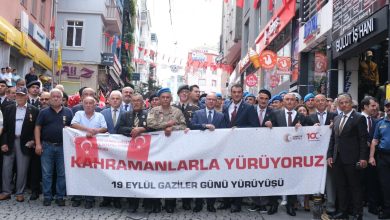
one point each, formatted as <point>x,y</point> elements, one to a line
<point>240,3</point>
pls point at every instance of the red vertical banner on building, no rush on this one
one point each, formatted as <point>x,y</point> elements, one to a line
<point>240,3</point>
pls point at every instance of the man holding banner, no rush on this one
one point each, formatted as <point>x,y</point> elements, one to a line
<point>209,119</point>
<point>347,155</point>
<point>166,118</point>
<point>93,123</point>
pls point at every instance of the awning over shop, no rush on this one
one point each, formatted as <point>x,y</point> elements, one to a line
<point>24,44</point>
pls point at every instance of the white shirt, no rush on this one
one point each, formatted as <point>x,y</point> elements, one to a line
<point>1,120</point>
<point>19,119</point>
<point>258,112</point>
<point>207,113</point>
<point>294,113</point>
<point>365,115</point>
<point>2,99</point>
<point>130,108</point>
<point>96,121</point>
<point>346,119</point>
<point>231,108</point>
<point>324,115</point>
<point>8,78</point>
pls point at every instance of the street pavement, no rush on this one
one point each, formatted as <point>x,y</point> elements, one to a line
<point>10,209</point>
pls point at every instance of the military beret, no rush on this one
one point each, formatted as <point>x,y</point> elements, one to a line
<point>308,96</point>
<point>163,90</point>
<point>33,83</point>
<point>250,95</point>
<point>151,97</point>
<point>219,95</point>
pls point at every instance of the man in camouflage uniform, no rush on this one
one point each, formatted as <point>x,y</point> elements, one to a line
<point>166,118</point>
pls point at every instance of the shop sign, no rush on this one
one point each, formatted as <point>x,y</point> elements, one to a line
<point>72,72</point>
<point>251,80</point>
<point>135,76</point>
<point>311,28</point>
<point>284,66</point>
<point>347,81</point>
<point>39,35</point>
<point>107,59</point>
<point>276,24</point>
<point>353,36</point>
<point>23,21</point>
<point>268,59</point>
<point>198,56</point>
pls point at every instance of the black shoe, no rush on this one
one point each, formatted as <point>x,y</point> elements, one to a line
<point>291,210</point>
<point>105,203</point>
<point>383,215</point>
<point>272,210</point>
<point>186,206</point>
<point>198,208</point>
<point>262,209</point>
<point>223,206</point>
<point>254,208</point>
<point>76,203</point>
<point>88,205</point>
<point>210,208</point>
<point>357,217</point>
<point>60,202</point>
<point>235,208</point>
<point>169,209</point>
<point>46,202</point>
<point>340,215</point>
<point>117,204</point>
<point>34,196</point>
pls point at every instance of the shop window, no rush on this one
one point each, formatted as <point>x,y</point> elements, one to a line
<point>202,82</point>
<point>42,11</point>
<point>74,33</point>
<point>34,8</point>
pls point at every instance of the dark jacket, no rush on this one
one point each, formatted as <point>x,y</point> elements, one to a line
<point>5,103</point>
<point>313,118</point>
<point>278,119</point>
<point>199,119</point>
<point>246,116</point>
<point>351,144</point>
<point>28,126</point>
<point>126,122</point>
<point>267,116</point>
<point>188,112</point>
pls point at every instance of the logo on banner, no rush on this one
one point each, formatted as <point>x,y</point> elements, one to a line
<point>268,59</point>
<point>290,137</point>
<point>314,136</point>
<point>86,150</point>
<point>139,148</point>
<point>251,80</point>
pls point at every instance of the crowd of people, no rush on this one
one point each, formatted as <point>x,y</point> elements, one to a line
<point>32,120</point>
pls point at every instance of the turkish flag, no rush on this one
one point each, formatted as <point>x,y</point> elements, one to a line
<point>240,3</point>
<point>138,148</point>
<point>110,41</point>
<point>86,150</point>
<point>119,43</point>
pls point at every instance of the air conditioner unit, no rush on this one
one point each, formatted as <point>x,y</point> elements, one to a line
<point>18,24</point>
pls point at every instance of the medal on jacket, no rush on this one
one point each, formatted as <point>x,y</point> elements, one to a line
<point>31,117</point>
<point>64,120</point>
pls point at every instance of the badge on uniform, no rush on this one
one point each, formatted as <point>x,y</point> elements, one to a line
<point>190,113</point>
<point>31,117</point>
<point>64,119</point>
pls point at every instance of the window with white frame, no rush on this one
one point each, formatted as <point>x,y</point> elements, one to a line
<point>74,33</point>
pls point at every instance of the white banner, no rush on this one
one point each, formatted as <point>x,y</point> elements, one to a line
<point>223,163</point>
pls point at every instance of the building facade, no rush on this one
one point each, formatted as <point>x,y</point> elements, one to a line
<point>25,35</point>
<point>89,34</point>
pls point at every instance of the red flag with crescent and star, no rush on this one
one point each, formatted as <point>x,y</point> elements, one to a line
<point>138,148</point>
<point>86,150</point>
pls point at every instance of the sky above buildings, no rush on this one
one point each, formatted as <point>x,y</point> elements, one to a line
<point>195,23</point>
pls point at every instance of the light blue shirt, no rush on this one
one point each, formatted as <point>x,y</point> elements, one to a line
<point>96,121</point>
<point>19,119</point>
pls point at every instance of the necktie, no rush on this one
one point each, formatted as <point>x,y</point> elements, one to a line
<point>261,117</point>
<point>32,101</point>
<point>136,120</point>
<point>289,121</point>
<point>209,117</point>
<point>114,117</point>
<point>182,108</point>
<point>1,100</point>
<point>126,107</point>
<point>321,118</point>
<point>342,123</point>
<point>234,115</point>
<point>369,124</point>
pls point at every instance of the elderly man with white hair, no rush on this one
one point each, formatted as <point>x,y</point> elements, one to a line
<point>48,139</point>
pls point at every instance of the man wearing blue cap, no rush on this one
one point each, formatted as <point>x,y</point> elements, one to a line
<point>250,99</point>
<point>276,102</point>
<point>309,102</point>
<point>219,104</point>
<point>165,118</point>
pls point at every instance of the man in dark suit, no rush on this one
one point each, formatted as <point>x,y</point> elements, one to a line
<point>111,115</point>
<point>4,101</point>
<point>238,113</point>
<point>286,117</point>
<point>132,124</point>
<point>17,143</point>
<point>324,117</point>
<point>347,155</point>
<point>35,172</point>
<point>188,110</point>
<point>85,92</point>
<point>372,189</point>
<point>263,113</point>
<point>209,119</point>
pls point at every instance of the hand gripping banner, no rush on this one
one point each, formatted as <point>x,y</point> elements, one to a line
<point>222,163</point>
